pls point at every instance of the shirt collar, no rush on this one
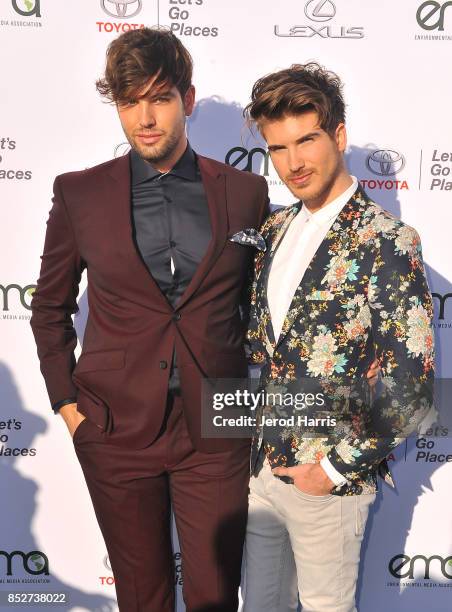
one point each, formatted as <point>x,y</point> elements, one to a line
<point>331,210</point>
<point>142,171</point>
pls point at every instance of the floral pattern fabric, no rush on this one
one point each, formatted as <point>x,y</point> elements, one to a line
<point>363,295</point>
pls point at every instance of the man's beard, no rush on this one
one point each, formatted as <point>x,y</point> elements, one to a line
<point>160,151</point>
<point>319,193</point>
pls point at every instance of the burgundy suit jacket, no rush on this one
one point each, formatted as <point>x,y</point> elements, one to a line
<point>120,379</point>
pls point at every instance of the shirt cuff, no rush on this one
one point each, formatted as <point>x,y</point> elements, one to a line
<point>58,405</point>
<point>332,473</point>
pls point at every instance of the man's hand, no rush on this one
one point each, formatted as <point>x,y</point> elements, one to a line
<point>310,478</point>
<point>71,417</point>
<point>373,372</point>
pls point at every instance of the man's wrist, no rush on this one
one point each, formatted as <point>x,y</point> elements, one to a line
<point>56,407</point>
<point>335,476</point>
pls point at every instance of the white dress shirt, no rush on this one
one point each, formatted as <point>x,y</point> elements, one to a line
<point>293,255</point>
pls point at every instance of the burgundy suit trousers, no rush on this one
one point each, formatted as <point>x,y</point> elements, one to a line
<point>133,490</point>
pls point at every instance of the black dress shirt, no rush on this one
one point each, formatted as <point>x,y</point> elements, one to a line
<point>171,228</point>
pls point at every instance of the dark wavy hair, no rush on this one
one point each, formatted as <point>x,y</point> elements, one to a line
<point>295,90</point>
<point>138,55</point>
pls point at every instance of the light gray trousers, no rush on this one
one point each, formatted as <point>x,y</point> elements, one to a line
<point>301,545</point>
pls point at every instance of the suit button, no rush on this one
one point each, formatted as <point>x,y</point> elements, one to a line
<point>177,316</point>
<point>163,365</point>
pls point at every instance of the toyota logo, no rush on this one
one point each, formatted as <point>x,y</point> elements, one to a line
<point>121,9</point>
<point>319,10</point>
<point>107,563</point>
<point>385,162</point>
<point>122,149</point>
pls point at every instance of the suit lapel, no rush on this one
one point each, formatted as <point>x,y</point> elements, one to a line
<point>337,239</point>
<point>215,186</point>
<point>118,194</point>
<point>274,239</point>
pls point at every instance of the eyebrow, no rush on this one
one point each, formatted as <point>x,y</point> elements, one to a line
<point>300,140</point>
<point>153,95</point>
<point>163,93</point>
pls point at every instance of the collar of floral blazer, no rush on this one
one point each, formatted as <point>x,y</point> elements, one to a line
<point>338,239</point>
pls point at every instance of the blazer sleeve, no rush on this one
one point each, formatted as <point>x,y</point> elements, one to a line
<point>55,301</point>
<point>401,314</point>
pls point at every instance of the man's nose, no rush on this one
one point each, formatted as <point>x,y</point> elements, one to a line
<point>146,114</point>
<point>296,162</point>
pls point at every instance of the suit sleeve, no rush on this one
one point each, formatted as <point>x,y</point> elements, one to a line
<point>401,314</point>
<point>245,301</point>
<point>253,348</point>
<point>55,301</point>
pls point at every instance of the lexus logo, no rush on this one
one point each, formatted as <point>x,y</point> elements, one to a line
<point>385,162</point>
<point>319,10</point>
<point>122,10</point>
<point>430,15</point>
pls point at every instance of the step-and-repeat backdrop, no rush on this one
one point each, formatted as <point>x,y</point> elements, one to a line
<point>394,59</point>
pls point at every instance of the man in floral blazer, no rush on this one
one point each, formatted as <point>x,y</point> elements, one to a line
<point>339,281</point>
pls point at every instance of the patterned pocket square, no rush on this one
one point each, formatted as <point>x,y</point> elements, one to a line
<point>249,237</point>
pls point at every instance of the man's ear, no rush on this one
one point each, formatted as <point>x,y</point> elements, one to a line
<point>189,100</point>
<point>340,136</point>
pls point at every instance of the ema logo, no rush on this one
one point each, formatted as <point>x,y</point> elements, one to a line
<point>24,292</point>
<point>34,562</point>
<point>397,563</point>
<point>247,157</point>
<point>122,10</point>
<point>385,162</point>
<point>430,15</point>
<point>29,7</point>
<point>320,11</point>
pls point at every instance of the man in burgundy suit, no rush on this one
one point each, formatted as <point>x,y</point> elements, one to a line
<point>165,283</point>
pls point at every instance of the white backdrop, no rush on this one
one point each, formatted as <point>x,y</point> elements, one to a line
<point>394,59</point>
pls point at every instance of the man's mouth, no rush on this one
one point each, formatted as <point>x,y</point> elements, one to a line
<point>149,138</point>
<point>300,179</point>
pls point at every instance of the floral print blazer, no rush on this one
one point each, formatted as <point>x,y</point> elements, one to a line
<point>363,294</point>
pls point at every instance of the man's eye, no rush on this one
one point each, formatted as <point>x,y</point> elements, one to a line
<point>161,99</point>
<point>127,103</point>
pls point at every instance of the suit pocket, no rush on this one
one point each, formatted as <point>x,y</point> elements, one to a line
<point>79,427</point>
<point>101,360</point>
